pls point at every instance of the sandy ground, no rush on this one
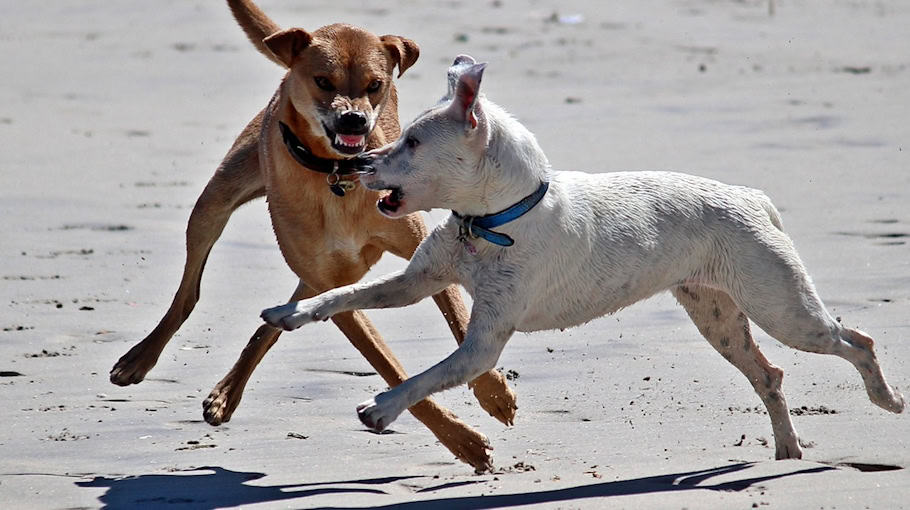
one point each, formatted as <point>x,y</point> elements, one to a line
<point>114,114</point>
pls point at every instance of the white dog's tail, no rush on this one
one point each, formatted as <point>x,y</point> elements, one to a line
<point>773,214</point>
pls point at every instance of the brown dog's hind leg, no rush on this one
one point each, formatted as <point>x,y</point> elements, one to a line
<point>224,398</point>
<point>467,444</point>
<point>726,328</point>
<point>236,182</point>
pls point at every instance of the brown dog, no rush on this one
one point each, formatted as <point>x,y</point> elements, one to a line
<point>337,100</point>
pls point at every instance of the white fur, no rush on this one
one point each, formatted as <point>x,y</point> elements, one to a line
<point>593,245</point>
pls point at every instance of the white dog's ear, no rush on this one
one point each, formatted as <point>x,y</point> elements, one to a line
<point>461,63</point>
<point>464,105</point>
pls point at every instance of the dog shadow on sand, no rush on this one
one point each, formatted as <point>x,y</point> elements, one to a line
<point>216,487</point>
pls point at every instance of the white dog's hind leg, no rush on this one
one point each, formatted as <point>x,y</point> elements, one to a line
<point>726,328</point>
<point>775,291</point>
<point>853,346</point>
<point>857,349</point>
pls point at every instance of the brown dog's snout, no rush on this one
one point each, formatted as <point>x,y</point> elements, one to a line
<point>352,121</point>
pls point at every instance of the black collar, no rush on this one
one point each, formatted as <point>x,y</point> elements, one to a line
<point>333,167</point>
<point>314,162</point>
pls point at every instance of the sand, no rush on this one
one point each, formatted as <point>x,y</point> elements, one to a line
<point>115,114</point>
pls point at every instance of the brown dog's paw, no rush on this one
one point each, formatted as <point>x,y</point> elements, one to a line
<point>218,407</point>
<point>469,445</point>
<point>131,368</point>
<point>495,396</point>
<point>465,443</point>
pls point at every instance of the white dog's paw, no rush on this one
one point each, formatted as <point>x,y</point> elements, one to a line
<point>290,316</point>
<point>377,416</point>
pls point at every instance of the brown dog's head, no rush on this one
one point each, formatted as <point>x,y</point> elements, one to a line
<point>340,77</point>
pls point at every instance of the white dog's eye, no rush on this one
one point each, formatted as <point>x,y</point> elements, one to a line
<point>411,142</point>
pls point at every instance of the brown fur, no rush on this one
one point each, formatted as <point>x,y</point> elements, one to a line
<point>328,241</point>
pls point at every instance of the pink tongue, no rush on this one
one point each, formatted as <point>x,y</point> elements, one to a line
<point>351,139</point>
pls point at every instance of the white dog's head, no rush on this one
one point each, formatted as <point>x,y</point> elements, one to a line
<point>436,162</point>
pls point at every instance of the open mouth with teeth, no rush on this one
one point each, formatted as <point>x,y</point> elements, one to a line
<point>347,143</point>
<point>391,203</point>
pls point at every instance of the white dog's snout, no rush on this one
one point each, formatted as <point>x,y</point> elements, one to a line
<point>369,160</point>
<point>381,151</point>
<point>366,162</point>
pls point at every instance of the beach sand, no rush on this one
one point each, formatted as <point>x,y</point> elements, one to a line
<point>115,114</point>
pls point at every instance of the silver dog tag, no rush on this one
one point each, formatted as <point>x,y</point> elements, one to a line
<point>464,235</point>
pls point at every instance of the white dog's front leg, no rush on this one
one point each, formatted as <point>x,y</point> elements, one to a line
<point>478,354</point>
<point>395,290</point>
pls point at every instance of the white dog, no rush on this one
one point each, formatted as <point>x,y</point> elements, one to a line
<point>567,247</point>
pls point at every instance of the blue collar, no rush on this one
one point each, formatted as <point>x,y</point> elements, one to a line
<point>479,226</point>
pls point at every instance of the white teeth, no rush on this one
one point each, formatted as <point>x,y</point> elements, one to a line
<point>340,141</point>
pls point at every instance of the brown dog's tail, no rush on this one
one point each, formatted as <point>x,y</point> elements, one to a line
<point>256,25</point>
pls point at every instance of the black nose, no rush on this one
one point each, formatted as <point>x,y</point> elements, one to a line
<point>352,121</point>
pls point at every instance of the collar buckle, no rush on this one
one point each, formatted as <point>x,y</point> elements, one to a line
<point>466,228</point>
<point>472,227</point>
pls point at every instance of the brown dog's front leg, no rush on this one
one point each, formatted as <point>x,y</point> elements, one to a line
<point>224,398</point>
<point>466,443</point>
<point>490,389</point>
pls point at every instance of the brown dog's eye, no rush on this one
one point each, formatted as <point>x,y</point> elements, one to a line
<point>324,83</point>
<point>411,142</point>
<point>374,86</point>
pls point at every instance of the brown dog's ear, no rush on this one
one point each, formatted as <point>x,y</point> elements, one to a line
<point>287,44</point>
<point>403,51</point>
